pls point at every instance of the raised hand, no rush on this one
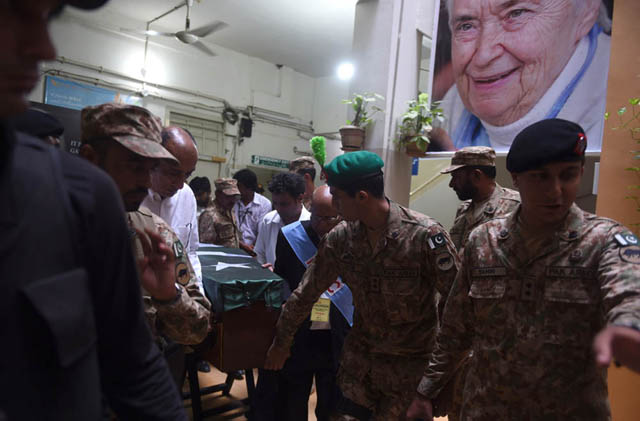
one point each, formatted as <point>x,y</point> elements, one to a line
<point>158,267</point>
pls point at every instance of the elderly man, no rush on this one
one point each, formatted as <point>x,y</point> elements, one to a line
<point>394,260</point>
<point>534,289</point>
<point>217,224</point>
<point>73,331</point>
<point>171,198</point>
<point>517,62</point>
<point>318,342</point>
<point>473,178</point>
<point>305,166</point>
<point>124,141</point>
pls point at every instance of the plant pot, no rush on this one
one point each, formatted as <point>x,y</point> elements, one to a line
<point>413,150</point>
<point>352,138</point>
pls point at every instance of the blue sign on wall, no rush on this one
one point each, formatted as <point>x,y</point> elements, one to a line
<point>415,164</point>
<point>75,95</point>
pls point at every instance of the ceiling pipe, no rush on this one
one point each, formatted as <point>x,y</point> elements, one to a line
<point>259,114</point>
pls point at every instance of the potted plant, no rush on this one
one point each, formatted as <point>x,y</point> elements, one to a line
<point>352,135</point>
<point>416,125</point>
<point>629,120</point>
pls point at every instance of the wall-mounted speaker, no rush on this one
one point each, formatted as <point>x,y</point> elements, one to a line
<point>246,126</point>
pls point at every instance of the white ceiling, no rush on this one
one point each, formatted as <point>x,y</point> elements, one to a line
<point>309,36</point>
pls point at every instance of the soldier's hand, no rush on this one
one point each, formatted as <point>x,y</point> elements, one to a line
<point>420,408</point>
<point>621,343</point>
<point>157,268</point>
<point>268,266</point>
<point>276,357</point>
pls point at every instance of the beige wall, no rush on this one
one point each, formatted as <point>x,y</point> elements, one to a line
<point>624,82</point>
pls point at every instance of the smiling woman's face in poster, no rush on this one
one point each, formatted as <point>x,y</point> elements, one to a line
<point>505,64</point>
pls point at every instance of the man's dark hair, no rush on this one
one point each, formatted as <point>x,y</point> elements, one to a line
<point>247,178</point>
<point>374,185</point>
<point>200,185</point>
<point>310,171</point>
<point>287,182</point>
<point>487,170</point>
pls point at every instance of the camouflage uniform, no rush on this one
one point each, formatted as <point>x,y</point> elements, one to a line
<point>501,202</point>
<point>394,288</point>
<point>185,321</point>
<point>218,226</point>
<point>530,319</point>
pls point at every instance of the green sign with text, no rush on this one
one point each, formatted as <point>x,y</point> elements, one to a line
<point>269,162</point>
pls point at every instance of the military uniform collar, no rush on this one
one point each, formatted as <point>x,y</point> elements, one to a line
<point>572,224</point>
<point>394,221</point>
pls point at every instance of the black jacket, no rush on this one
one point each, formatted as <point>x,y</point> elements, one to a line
<point>308,343</point>
<point>72,328</point>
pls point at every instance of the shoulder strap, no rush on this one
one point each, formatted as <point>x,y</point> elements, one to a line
<point>299,241</point>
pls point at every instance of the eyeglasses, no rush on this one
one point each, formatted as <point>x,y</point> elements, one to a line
<point>325,218</point>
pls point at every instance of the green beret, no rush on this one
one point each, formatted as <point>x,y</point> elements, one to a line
<point>353,166</point>
<point>551,140</point>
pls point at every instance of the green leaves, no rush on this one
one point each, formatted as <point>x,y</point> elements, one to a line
<point>417,121</point>
<point>359,103</point>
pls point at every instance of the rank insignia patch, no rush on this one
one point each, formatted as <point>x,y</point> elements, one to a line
<point>444,261</point>
<point>436,241</point>
<point>182,273</point>
<point>630,254</point>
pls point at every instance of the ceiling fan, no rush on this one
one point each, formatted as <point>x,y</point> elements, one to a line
<point>188,36</point>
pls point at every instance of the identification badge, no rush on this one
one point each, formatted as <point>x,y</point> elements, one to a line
<point>320,311</point>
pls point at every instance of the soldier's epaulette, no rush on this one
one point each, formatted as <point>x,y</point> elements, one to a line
<point>413,222</point>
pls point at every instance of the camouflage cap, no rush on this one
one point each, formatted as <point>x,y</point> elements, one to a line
<point>301,163</point>
<point>228,186</point>
<point>471,155</point>
<point>133,127</point>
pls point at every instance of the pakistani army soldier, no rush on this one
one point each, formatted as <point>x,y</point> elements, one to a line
<point>393,260</point>
<point>473,175</point>
<point>534,289</point>
<point>124,140</point>
<point>217,224</point>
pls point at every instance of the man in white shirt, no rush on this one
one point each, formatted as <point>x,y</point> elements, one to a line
<point>286,190</point>
<point>251,207</point>
<point>171,198</point>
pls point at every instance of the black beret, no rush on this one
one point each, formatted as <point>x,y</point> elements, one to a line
<point>86,4</point>
<point>551,140</point>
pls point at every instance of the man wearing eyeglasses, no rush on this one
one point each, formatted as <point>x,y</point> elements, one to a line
<point>171,198</point>
<point>318,343</point>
